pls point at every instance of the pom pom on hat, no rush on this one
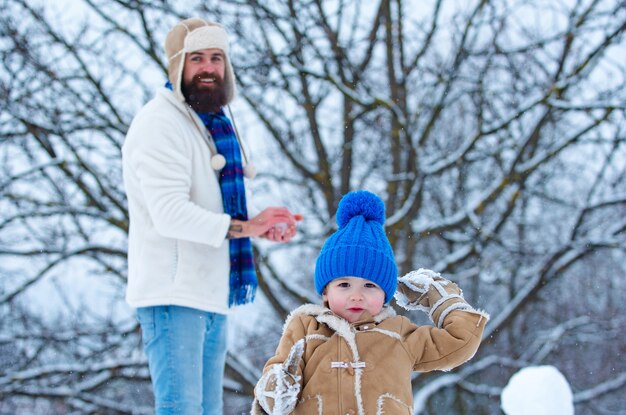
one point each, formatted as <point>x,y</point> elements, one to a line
<point>359,248</point>
<point>360,203</point>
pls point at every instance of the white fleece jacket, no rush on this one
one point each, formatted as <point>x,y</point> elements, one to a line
<point>177,251</point>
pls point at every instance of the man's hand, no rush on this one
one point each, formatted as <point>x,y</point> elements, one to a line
<point>263,223</point>
<point>282,232</point>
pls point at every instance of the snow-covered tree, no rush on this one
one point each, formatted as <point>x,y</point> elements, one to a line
<point>494,131</point>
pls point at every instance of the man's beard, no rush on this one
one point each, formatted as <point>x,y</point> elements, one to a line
<point>205,99</point>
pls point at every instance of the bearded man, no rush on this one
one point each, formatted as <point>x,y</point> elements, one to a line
<point>189,251</point>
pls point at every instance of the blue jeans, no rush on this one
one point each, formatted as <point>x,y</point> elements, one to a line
<point>186,350</point>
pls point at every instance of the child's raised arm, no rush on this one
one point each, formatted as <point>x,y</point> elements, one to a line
<point>458,334</point>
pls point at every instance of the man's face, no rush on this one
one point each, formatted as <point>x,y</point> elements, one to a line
<point>349,297</point>
<point>203,80</point>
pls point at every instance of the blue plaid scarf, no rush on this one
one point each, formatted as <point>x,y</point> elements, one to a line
<point>243,281</point>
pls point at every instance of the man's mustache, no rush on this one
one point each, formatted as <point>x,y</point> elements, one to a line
<point>203,75</point>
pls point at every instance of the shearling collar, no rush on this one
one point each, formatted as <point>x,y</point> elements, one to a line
<point>326,316</point>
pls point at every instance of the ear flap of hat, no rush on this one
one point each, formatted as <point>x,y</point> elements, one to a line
<point>191,35</point>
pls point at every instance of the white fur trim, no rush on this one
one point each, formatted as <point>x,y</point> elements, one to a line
<point>439,286</point>
<point>381,401</point>
<point>451,307</point>
<point>292,363</point>
<point>310,337</point>
<point>319,400</point>
<point>445,297</point>
<point>388,333</point>
<point>403,301</point>
<point>343,329</point>
<point>318,310</point>
<point>304,310</point>
<point>358,374</point>
<point>259,391</point>
<point>179,76</point>
<point>320,404</point>
<point>421,276</point>
<point>207,37</point>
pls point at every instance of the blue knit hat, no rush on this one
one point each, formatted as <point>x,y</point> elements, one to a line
<point>359,248</point>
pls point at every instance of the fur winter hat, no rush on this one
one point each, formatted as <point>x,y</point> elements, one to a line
<point>359,248</point>
<point>189,36</point>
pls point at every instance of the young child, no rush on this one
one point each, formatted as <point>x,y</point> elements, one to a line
<point>354,355</point>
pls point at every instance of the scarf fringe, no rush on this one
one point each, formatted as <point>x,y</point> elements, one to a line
<point>242,295</point>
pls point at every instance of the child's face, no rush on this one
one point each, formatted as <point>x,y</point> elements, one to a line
<point>349,297</point>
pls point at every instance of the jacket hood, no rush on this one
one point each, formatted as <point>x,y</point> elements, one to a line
<point>189,36</point>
